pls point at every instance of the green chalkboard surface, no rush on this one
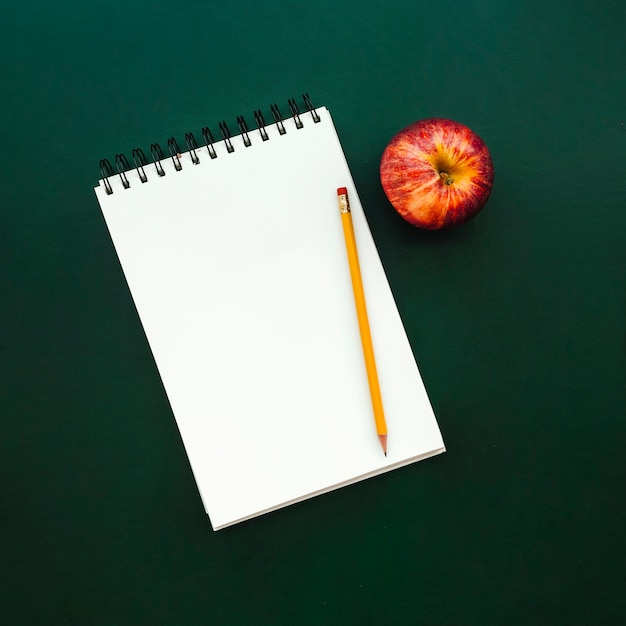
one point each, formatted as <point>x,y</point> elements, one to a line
<point>517,319</point>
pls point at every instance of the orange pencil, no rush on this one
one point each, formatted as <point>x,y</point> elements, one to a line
<point>361,310</point>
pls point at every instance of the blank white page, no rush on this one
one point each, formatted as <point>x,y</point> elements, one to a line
<point>238,270</point>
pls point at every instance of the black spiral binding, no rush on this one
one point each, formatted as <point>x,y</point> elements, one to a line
<point>122,164</point>
<point>310,108</point>
<point>226,137</point>
<point>209,140</point>
<point>158,156</point>
<point>140,161</point>
<point>192,144</point>
<point>172,144</point>
<point>295,113</point>
<point>243,127</point>
<point>106,171</point>
<point>278,119</point>
<point>260,122</point>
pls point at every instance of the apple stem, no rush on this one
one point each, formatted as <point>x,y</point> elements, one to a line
<point>446,178</point>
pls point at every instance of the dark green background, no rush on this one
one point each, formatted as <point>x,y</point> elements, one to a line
<point>517,319</point>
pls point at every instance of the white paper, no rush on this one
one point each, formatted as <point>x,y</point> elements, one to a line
<point>239,273</point>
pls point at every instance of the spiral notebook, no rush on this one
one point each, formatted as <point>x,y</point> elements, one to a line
<point>234,255</point>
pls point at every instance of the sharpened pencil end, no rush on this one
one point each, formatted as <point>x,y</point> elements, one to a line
<point>383,443</point>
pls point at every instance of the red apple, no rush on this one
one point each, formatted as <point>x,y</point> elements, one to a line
<point>437,173</point>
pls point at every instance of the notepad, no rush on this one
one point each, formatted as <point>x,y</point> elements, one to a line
<point>233,252</point>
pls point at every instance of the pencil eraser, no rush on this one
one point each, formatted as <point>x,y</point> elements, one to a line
<point>342,191</point>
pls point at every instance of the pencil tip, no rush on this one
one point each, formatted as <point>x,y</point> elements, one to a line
<point>383,443</point>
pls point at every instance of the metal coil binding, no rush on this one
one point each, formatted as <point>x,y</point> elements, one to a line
<point>106,171</point>
<point>140,161</point>
<point>226,136</point>
<point>157,156</point>
<point>295,113</point>
<point>260,122</point>
<point>310,108</point>
<point>122,164</point>
<point>172,145</point>
<point>278,119</point>
<point>243,127</point>
<point>192,144</point>
<point>209,140</point>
